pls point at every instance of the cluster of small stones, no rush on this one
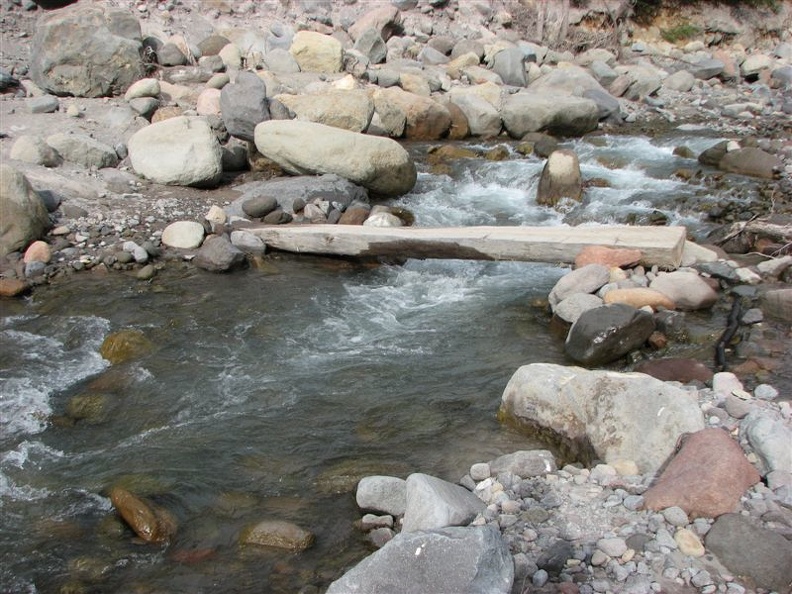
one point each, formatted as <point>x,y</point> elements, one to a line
<point>585,530</point>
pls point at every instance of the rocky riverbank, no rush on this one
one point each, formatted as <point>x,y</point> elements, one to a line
<point>185,124</point>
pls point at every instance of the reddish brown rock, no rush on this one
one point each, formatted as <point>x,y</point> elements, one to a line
<point>639,297</point>
<point>12,287</point>
<point>149,522</point>
<point>676,370</point>
<point>38,251</point>
<point>607,256</point>
<point>354,216</point>
<point>706,478</point>
<point>125,345</point>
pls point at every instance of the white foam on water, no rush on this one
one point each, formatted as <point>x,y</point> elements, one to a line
<point>27,455</point>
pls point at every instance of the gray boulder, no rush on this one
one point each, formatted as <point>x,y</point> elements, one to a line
<point>33,149</point>
<point>681,80</point>
<point>82,149</point>
<point>585,279</point>
<point>475,560</point>
<point>170,55</point>
<point>557,114</point>
<point>770,437</point>
<point>561,178</point>
<point>218,254</point>
<point>751,161</point>
<point>713,155</point>
<point>86,51</point>
<point>244,105</point>
<point>379,164</point>
<point>434,503</point>
<point>603,414</point>
<point>417,117</point>
<point>23,215</point>
<point>386,494</point>
<point>280,60</point>
<point>571,308</point>
<point>371,45</point>
<point>43,104</point>
<point>607,333</point>
<point>706,68</point>
<point>686,289</point>
<point>178,151</point>
<point>482,117</point>
<point>509,64</point>
<point>747,548</point>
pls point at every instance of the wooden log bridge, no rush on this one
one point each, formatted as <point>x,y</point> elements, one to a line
<point>659,245</point>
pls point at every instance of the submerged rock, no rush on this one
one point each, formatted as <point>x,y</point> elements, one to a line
<point>125,345</point>
<point>279,534</point>
<point>150,522</point>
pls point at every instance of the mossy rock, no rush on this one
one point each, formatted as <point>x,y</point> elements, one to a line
<point>525,148</point>
<point>449,152</point>
<point>90,408</point>
<point>125,345</point>
<point>498,153</point>
<point>344,476</point>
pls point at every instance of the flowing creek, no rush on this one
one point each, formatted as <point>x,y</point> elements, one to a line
<point>269,392</point>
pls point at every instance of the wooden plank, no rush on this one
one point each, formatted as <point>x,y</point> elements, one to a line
<point>659,245</point>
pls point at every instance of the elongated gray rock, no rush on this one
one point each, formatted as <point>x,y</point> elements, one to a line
<point>475,560</point>
<point>82,149</point>
<point>348,110</point>
<point>244,105</point>
<point>178,151</point>
<point>434,503</point>
<point>387,494</point>
<point>526,112</point>
<point>86,51</point>
<point>23,215</point>
<point>609,415</point>
<point>380,165</point>
<point>585,279</point>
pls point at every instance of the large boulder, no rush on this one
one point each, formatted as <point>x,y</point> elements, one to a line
<point>383,19</point>
<point>244,105</point>
<point>562,115</point>
<point>386,494</point>
<point>482,116</point>
<point>751,161</point>
<point>434,503</point>
<point>607,333</point>
<point>380,165</point>
<point>315,52</point>
<point>218,254</point>
<point>422,117</point>
<point>474,559</point>
<point>86,51</point>
<point>82,149</point>
<point>604,414</point>
<point>560,178</point>
<point>178,151</point>
<point>509,64</point>
<point>23,215</point>
<point>686,289</point>
<point>349,110</point>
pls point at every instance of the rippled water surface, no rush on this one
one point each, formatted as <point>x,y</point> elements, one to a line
<point>268,392</point>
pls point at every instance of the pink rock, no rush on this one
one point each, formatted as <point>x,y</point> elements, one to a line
<point>639,297</point>
<point>607,256</point>
<point>676,370</point>
<point>38,251</point>
<point>706,478</point>
<point>208,102</point>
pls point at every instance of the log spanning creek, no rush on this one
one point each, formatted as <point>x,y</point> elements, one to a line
<point>268,393</point>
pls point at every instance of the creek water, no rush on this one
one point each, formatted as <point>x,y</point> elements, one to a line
<point>268,393</point>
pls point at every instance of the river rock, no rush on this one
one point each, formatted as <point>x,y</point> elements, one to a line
<point>43,104</point>
<point>686,289</point>
<point>208,102</point>
<point>278,534</point>
<point>259,206</point>
<point>482,116</point>
<point>211,45</point>
<point>754,64</point>
<point>303,188</point>
<point>348,110</point>
<point>607,256</point>
<point>183,234</point>
<point>472,559</point>
<point>607,333</point>
<point>644,80</point>
<point>33,149</point>
<point>524,463</point>
<point>125,345</point>
<point>705,69</point>
<point>639,297</point>
<point>778,304</point>
<point>509,64</point>
<point>145,87</point>
<point>86,51</point>
<point>688,543</point>
<point>379,164</point>
<point>747,548</point>
<point>681,80</point>
<point>315,52</point>
<point>383,19</point>
<point>248,242</point>
<point>706,478</point>
<point>218,254</point>
<point>572,307</point>
<point>24,214</point>
<point>434,503</point>
<point>281,61</point>
<point>560,115</point>
<point>13,287</point>
<point>770,437</point>
<point>178,151</point>
<point>386,494</point>
<point>38,251</point>
<point>751,161</point>
<point>560,178</point>
<point>371,45</point>
<point>587,279</point>
<point>82,149</point>
<point>244,105</point>
<point>150,522</point>
<point>676,370</point>
<point>420,118</point>
<point>613,416</point>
